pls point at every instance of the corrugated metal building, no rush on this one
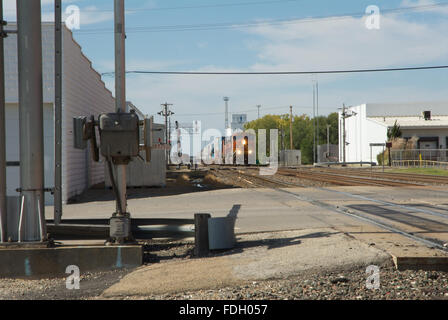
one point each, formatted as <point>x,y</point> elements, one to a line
<point>84,93</point>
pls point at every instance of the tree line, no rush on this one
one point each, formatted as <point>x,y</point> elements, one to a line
<point>302,131</point>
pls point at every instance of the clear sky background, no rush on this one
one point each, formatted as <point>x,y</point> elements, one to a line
<point>327,35</point>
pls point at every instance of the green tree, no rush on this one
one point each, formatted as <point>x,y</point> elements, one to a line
<point>394,132</point>
<point>302,131</point>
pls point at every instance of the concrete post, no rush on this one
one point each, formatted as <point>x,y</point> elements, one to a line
<point>3,215</point>
<point>29,44</point>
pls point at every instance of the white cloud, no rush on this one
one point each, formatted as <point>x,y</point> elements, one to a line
<point>347,44</point>
<point>320,45</point>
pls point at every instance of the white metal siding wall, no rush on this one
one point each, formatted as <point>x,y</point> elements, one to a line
<point>84,94</point>
<point>13,148</point>
<point>12,109</point>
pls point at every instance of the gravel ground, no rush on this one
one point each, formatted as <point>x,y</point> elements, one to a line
<point>91,285</point>
<point>310,285</point>
<point>395,285</point>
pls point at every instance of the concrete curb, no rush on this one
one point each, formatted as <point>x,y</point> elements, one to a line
<point>52,262</point>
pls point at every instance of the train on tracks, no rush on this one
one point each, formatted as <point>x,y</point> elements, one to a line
<point>237,149</point>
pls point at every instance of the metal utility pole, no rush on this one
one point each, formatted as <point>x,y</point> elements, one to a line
<point>345,115</point>
<point>166,112</point>
<point>226,124</point>
<point>3,215</point>
<point>317,114</point>
<point>328,141</point>
<point>290,128</point>
<point>344,136</point>
<point>120,92</point>
<point>120,57</point>
<point>29,44</point>
<point>314,123</point>
<point>259,106</point>
<point>58,111</point>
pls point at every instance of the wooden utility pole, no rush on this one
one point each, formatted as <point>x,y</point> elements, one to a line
<point>290,128</point>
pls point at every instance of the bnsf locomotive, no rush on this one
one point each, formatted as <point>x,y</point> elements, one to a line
<point>237,149</point>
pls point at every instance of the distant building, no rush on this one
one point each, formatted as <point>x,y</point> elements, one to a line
<point>84,94</point>
<point>369,123</point>
<point>238,122</point>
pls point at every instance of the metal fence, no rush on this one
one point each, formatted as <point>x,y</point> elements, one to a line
<point>437,155</point>
<point>419,164</point>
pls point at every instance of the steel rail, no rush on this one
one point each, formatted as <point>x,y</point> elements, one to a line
<point>392,175</point>
<point>346,211</point>
<point>348,180</point>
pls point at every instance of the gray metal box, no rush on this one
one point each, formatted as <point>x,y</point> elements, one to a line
<point>119,134</point>
<point>78,132</point>
<point>120,227</point>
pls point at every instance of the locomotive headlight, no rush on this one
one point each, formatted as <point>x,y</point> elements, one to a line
<point>250,151</point>
<point>238,152</point>
<point>244,142</point>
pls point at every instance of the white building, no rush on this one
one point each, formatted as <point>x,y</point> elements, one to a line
<point>368,123</point>
<point>84,93</point>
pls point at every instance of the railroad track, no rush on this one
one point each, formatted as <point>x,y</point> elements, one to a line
<point>393,217</point>
<point>420,178</point>
<point>343,179</point>
<point>261,181</point>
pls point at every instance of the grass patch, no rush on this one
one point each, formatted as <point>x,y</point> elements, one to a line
<point>428,171</point>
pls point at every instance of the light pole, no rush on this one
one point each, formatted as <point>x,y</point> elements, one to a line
<point>226,124</point>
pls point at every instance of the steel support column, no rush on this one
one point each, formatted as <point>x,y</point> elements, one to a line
<point>120,90</point>
<point>29,44</point>
<point>58,112</point>
<point>120,58</point>
<point>3,215</point>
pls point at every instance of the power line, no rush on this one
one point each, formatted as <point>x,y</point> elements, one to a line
<point>235,4</point>
<point>245,111</point>
<point>282,72</point>
<point>219,26</point>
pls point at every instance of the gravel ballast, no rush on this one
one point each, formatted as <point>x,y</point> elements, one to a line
<point>348,285</point>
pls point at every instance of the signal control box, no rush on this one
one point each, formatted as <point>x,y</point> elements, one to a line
<point>119,135</point>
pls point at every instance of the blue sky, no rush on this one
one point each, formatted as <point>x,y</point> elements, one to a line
<point>405,38</point>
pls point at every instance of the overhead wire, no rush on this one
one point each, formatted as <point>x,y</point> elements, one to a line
<point>227,25</point>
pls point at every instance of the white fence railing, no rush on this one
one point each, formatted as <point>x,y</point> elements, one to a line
<point>419,164</point>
